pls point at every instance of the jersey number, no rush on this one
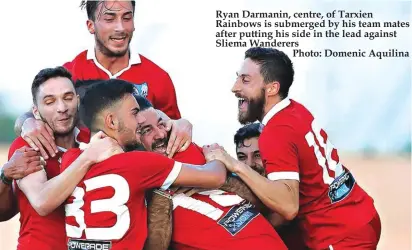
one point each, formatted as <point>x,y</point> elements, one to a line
<point>324,158</point>
<point>115,204</point>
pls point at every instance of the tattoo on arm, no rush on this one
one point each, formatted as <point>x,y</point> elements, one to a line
<point>159,215</point>
<point>237,186</point>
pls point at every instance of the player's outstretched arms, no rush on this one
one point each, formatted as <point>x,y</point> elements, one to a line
<point>159,220</point>
<point>209,175</point>
<point>281,196</point>
<point>46,195</point>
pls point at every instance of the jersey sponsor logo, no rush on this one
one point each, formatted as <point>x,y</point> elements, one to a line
<point>141,89</point>
<point>238,217</point>
<point>75,244</point>
<point>340,188</point>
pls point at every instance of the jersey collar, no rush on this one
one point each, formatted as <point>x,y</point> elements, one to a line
<point>275,109</point>
<point>76,134</point>
<point>134,59</point>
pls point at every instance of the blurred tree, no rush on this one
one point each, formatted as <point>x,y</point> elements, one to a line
<point>6,124</point>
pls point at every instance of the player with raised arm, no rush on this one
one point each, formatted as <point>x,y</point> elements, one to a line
<point>111,23</point>
<point>40,194</point>
<point>214,219</point>
<point>305,178</point>
<point>108,207</point>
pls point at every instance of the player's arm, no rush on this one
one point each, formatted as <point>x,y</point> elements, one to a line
<point>280,191</point>
<point>20,120</point>
<point>46,195</point>
<point>209,175</point>
<point>159,215</point>
<point>159,171</point>
<point>237,186</point>
<point>24,161</point>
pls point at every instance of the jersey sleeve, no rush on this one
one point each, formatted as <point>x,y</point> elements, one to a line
<point>278,150</point>
<point>19,142</point>
<point>167,101</point>
<point>153,170</point>
<point>69,157</point>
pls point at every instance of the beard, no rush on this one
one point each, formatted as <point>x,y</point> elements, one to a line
<point>129,145</point>
<point>106,51</point>
<point>133,146</point>
<point>259,169</point>
<point>254,111</point>
<point>65,132</point>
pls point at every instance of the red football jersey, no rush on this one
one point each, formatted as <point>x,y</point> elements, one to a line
<point>293,146</point>
<point>150,80</point>
<point>108,207</point>
<point>218,220</point>
<point>42,232</point>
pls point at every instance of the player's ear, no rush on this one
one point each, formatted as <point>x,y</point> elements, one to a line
<point>111,121</point>
<point>272,88</point>
<point>78,102</point>
<point>90,26</point>
<point>36,113</point>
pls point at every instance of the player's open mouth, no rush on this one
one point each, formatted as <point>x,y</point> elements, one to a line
<point>161,147</point>
<point>242,104</point>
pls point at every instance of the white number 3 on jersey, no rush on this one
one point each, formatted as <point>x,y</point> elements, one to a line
<point>116,205</point>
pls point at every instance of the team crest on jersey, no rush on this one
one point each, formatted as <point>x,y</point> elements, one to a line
<point>141,89</point>
<point>340,188</point>
<point>76,244</point>
<point>238,217</point>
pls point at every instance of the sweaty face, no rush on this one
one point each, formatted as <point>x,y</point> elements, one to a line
<point>153,134</point>
<point>113,27</point>
<point>128,117</point>
<point>56,104</point>
<point>249,153</point>
<point>249,89</point>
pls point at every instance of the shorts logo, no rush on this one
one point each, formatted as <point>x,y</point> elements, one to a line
<point>340,188</point>
<point>75,244</point>
<point>141,89</point>
<point>238,217</point>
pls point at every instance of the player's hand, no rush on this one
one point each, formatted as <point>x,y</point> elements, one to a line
<point>102,147</point>
<point>39,136</point>
<point>216,152</point>
<point>180,137</point>
<point>24,161</point>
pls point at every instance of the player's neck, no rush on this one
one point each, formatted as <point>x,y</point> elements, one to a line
<point>66,141</point>
<point>113,64</point>
<point>270,103</point>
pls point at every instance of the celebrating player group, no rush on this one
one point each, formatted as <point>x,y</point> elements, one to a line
<point>104,160</point>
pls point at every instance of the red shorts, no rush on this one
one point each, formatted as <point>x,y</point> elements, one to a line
<point>364,238</point>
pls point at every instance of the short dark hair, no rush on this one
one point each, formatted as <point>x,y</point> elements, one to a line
<point>91,7</point>
<point>46,74</point>
<point>83,85</point>
<point>142,101</point>
<point>275,65</point>
<point>101,96</point>
<point>246,132</point>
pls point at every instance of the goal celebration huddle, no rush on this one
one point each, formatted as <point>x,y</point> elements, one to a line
<point>105,160</point>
